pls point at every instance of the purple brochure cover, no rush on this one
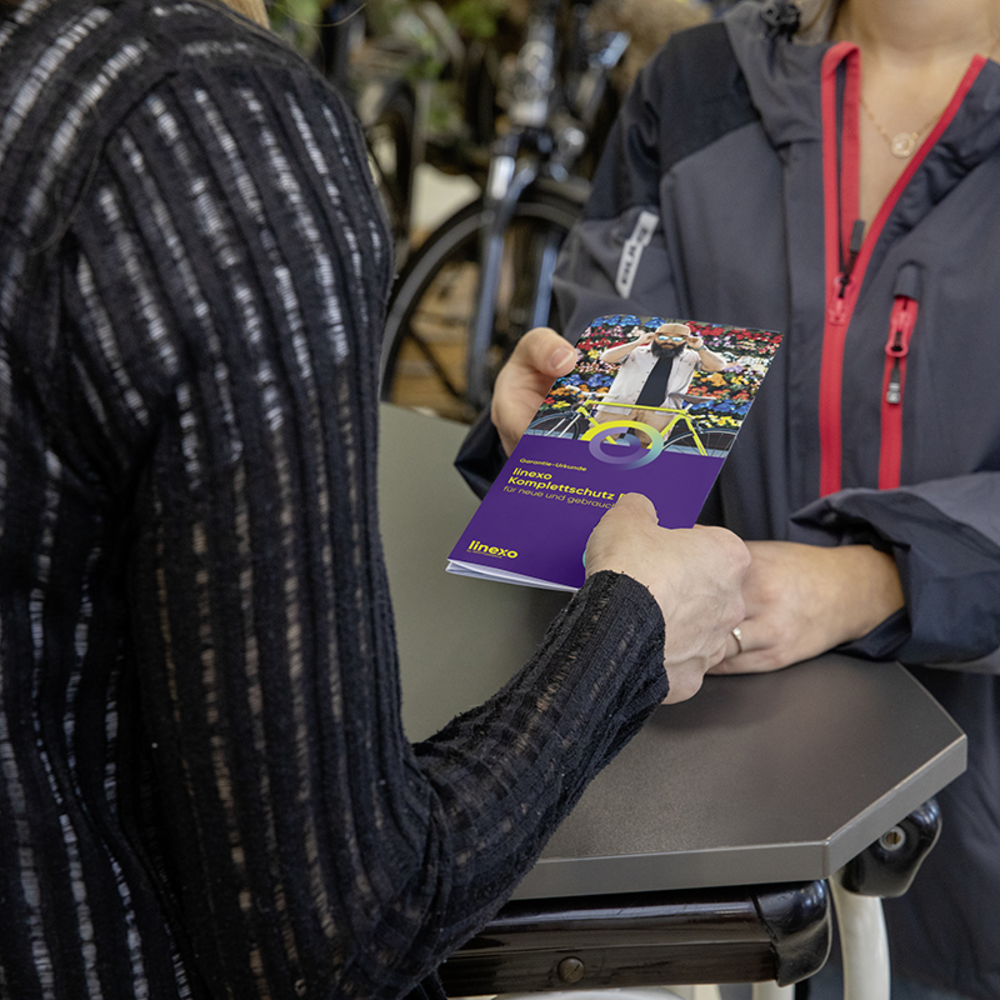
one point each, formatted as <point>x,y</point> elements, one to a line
<point>652,407</point>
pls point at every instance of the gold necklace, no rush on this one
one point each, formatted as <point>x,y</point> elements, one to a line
<point>902,144</point>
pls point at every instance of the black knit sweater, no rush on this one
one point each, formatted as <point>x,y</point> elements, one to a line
<point>205,790</point>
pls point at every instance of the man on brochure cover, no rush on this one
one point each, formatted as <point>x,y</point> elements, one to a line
<point>656,370</point>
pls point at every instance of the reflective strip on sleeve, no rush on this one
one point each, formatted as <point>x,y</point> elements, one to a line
<point>632,252</point>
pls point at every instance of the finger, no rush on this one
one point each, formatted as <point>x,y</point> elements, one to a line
<point>545,351</point>
<point>736,643</point>
<point>614,545</point>
<point>632,513</point>
<point>634,505</point>
<point>628,514</point>
<point>540,357</point>
<point>727,665</point>
<point>717,657</point>
<point>683,685</point>
<point>737,652</point>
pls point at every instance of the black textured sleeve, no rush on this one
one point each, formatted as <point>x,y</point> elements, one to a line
<point>227,281</point>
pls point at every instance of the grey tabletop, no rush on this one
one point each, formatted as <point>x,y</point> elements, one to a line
<point>768,778</point>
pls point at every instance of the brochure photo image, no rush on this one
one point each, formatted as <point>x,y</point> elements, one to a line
<point>653,406</point>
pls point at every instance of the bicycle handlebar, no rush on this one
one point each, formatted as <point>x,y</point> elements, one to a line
<point>631,406</point>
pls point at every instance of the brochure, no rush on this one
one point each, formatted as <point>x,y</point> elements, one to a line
<point>653,406</point>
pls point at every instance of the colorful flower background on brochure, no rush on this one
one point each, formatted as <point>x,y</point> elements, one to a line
<point>727,393</point>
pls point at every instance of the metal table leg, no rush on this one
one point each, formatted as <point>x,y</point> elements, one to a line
<point>864,946</point>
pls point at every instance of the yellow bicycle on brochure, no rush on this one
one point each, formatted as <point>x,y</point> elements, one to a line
<point>679,434</point>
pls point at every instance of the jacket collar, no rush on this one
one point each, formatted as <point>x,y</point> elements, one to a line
<point>783,77</point>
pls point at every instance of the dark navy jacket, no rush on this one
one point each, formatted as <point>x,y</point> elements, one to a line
<point>728,193</point>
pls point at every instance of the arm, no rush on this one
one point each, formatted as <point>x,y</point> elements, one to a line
<point>913,574</point>
<point>943,537</point>
<point>802,600</point>
<point>615,355</point>
<point>709,360</point>
<point>236,342</point>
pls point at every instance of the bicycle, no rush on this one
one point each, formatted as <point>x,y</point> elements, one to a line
<point>389,74</point>
<point>579,424</point>
<point>484,277</point>
<point>406,75</point>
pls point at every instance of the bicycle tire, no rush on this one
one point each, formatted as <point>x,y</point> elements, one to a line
<point>565,425</point>
<point>716,441</point>
<point>430,310</point>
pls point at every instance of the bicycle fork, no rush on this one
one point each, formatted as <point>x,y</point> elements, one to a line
<point>504,187</point>
<point>505,184</point>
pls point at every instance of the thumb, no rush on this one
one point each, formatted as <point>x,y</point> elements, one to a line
<point>632,515</point>
<point>546,351</point>
<point>635,505</point>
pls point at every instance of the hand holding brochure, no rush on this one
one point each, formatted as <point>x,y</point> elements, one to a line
<point>653,406</point>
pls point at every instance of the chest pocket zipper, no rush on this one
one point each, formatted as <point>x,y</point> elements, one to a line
<point>902,323</point>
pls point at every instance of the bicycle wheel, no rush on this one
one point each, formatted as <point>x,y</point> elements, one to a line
<point>716,441</point>
<point>564,425</point>
<point>433,302</point>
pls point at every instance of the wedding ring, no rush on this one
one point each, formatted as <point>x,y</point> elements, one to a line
<point>738,636</point>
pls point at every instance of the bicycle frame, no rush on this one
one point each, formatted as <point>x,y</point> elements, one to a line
<point>504,187</point>
<point>534,144</point>
<point>679,416</point>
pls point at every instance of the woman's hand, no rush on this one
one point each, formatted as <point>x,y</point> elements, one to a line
<point>539,358</point>
<point>802,600</point>
<point>696,576</point>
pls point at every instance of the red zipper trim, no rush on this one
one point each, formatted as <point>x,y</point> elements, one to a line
<point>902,322</point>
<point>840,203</point>
<point>840,200</point>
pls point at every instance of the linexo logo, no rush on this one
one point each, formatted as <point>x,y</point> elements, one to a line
<point>492,550</point>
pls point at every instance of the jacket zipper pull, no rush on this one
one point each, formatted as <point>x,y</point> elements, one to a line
<point>853,250</point>
<point>898,346</point>
<point>902,324</point>
<point>893,394</point>
<point>838,308</point>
